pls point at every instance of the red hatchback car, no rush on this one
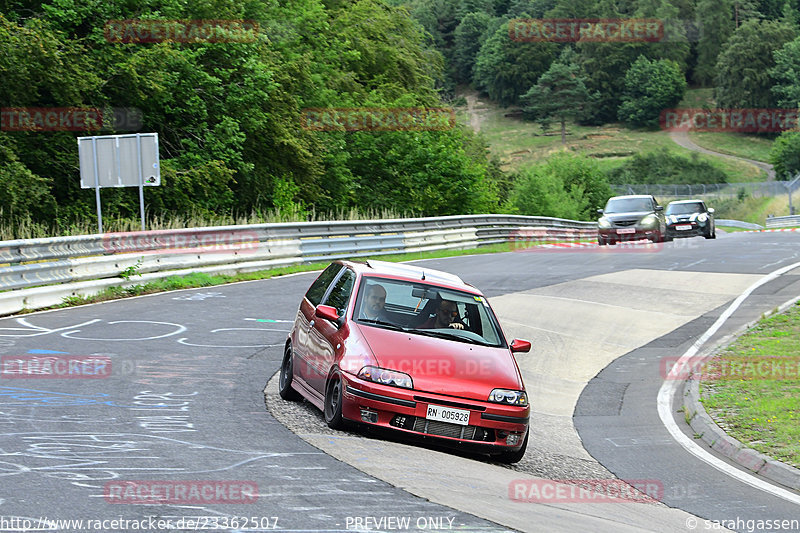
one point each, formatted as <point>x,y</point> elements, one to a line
<point>409,349</point>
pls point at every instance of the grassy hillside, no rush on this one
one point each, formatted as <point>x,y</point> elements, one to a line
<point>518,142</point>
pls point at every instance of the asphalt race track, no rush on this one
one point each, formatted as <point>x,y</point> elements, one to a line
<point>181,403</point>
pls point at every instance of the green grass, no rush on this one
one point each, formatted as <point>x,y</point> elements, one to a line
<point>23,227</point>
<point>755,147</point>
<point>519,143</point>
<point>739,144</point>
<point>760,405</point>
<point>753,209</point>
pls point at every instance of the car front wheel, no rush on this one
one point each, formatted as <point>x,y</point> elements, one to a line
<point>287,374</point>
<point>333,404</point>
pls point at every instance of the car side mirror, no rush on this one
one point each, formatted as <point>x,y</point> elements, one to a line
<point>659,208</point>
<point>327,312</point>
<point>599,211</point>
<point>711,210</point>
<point>520,346</point>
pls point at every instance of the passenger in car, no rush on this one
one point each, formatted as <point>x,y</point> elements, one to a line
<point>373,308</point>
<point>446,317</point>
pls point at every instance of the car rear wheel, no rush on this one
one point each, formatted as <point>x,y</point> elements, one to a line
<point>285,379</point>
<point>513,457</point>
<point>333,404</point>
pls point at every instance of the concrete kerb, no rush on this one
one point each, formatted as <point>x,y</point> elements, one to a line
<point>715,437</point>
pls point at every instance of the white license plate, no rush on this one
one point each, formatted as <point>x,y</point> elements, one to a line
<point>626,230</point>
<point>448,414</point>
<point>683,227</point>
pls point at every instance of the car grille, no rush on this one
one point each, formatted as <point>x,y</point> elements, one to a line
<point>443,429</point>
<point>624,223</point>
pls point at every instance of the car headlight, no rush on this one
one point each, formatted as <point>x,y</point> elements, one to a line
<point>604,223</point>
<point>650,221</point>
<point>702,217</point>
<point>386,377</point>
<point>510,397</point>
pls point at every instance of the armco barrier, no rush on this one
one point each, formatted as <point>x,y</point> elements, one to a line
<point>783,222</point>
<point>738,224</point>
<point>38,273</point>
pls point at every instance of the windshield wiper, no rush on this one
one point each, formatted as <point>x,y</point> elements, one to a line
<point>449,336</point>
<point>382,323</point>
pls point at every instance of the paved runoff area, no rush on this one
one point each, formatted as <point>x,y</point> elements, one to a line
<point>577,328</point>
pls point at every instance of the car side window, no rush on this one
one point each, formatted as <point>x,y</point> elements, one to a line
<point>341,291</point>
<point>318,288</point>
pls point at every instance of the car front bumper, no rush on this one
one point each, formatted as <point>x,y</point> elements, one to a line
<point>625,234</point>
<point>490,429</point>
<point>687,229</point>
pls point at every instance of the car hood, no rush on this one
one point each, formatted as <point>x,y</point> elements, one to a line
<point>628,216</point>
<point>443,366</point>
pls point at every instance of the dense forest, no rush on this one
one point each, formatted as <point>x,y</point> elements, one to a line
<point>230,113</point>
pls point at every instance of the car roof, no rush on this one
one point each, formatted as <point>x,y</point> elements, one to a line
<point>632,196</point>
<point>411,272</point>
<point>687,202</point>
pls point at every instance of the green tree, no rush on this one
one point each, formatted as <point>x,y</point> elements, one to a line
<point>786,73</point>
<point>505,69</point>
<point>428,172</point>
<point>469,36</point>
<point>715,21</point>
<point>662,166</point>
<point>650,88</point>
<point>560,93</point>
<point>565,186</point>
<point>785,154</point>
<point>743,68</point>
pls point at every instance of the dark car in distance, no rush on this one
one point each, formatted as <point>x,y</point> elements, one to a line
<point>631,218</point>
<point>690,218</point>
<point>410,350</point>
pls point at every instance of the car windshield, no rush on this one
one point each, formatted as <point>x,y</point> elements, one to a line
<point>628,205</point>
<point>423,309</point>
<point>684,209</point>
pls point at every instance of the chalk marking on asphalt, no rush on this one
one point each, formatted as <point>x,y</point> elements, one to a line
<point>666,395</point>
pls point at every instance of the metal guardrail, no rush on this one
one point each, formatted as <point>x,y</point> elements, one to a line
<point>783,222</point>
<point>737,224</point>
<point>37,262</point>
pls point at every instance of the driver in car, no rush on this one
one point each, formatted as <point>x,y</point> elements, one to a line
<point>373,308</point>
<point>446,317</point>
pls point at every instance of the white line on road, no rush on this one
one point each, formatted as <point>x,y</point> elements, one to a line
<point>667,393</point>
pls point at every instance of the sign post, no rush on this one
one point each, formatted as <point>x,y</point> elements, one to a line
<point>789,186</point>
<point>119,161</point>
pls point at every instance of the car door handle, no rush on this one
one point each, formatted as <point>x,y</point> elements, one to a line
<point>311,324</point>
